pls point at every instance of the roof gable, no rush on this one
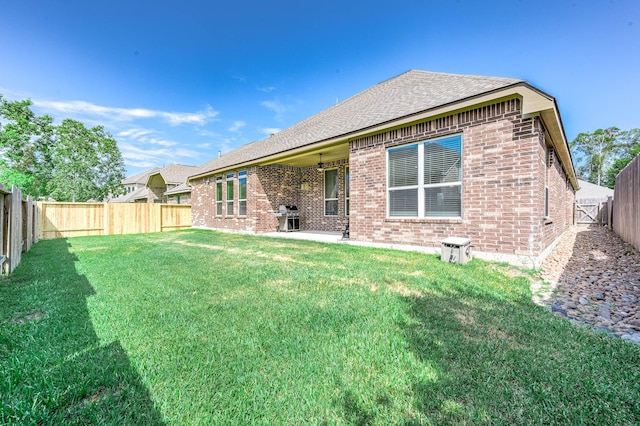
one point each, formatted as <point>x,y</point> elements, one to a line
<point>174,174</point>
<point>140,178</point>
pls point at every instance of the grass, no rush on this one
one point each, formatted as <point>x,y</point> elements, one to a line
<point>198,327</point>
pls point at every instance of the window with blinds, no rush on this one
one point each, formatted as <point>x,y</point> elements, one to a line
<point>242,193</point>
<point>347,193</point>
<point>331,192</point>
<point>229,179</point>
<point>425,179</point>
<point>219,196</point>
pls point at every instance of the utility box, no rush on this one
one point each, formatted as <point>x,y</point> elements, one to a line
<point>456,250</point>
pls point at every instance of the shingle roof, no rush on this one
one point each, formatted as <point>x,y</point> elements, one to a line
<point>180,189</point>
<point>409,93</point>
<point>591,191</point>
<point>140,177</point>
<point>176,173</point>
<point>131,196</point>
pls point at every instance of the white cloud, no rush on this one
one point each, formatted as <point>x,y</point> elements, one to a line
<point>134,155</point>
<point>270,130</point>
<point>134,133</point>
<point>145,136</point>
<point>276,106</point>
<point>237,125</point>
<point>267,89</point>
<point>127,114</point>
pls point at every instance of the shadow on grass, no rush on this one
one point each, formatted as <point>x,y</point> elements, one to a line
<point>54,369</point>
<point>512,362</point>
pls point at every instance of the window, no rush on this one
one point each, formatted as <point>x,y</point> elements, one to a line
<point>331,192</point>
<point>549,163</point>
<point>230,177</point>
<point>346,191</point>
<point>242,193</point>
<point>425,179</point>
<point>219,196</point>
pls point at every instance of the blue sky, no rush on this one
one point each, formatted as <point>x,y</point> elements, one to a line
<point>175,82</point>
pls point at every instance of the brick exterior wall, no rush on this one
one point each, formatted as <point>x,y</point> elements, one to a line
<point>156,193</point>
<point>503,184</point>
<point>505,172</point>
<point>185,198</point>
<point>267,188</point>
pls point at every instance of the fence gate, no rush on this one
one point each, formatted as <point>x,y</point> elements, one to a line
<point>588,212</point>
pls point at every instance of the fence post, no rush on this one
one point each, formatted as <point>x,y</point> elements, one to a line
<point>159,216</point>
<point>34,224</point>
<point>105,220</point>
<point>15,229</point>
<point>3,222</point>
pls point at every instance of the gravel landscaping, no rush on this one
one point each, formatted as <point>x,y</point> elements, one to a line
<point>593,277</point>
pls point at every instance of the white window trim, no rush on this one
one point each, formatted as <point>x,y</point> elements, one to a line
<point>245,195</point>
<point>229,177</point>
<point>346,194</point>
<point>218,179</point>
<point>420,187</point>
<point>548,162</point>
<point>324,202</point>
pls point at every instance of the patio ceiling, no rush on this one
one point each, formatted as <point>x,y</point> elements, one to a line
<point>312,157</point>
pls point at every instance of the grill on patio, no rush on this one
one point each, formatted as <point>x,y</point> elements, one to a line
<point>288,218</point>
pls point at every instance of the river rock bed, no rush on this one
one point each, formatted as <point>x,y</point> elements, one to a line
<point>593,277</point>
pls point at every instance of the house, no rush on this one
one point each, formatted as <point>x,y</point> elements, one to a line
<point>167,179</point>
<point>135,187</point>
<point>158,185</point>
<point>591,191</point>
<point>409,162</point>
<point>180,194</point>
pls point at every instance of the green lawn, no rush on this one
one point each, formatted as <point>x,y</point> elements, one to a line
<point>199,327</point>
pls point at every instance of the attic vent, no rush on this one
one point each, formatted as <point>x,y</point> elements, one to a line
<point>551,154</point>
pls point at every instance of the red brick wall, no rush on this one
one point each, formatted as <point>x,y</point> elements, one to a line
<point>504,177</point>
<point>503,184</point>
<point>561,200</point>
<point>203,202</point>
<point>311,202</point>
<point>185,198</point>
<point>267,188</point>
<point>156,193</point>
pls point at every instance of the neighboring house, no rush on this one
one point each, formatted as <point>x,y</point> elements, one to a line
<point>591,191</point>
<point>180,194</point>
<point>138,181</point>
<point>135,187</point>
<point>168,178</point>
<point>410,161</point>
<point>159,185</point>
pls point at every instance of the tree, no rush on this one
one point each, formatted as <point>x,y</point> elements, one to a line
<point>595,152</point>
<point>25,145</point>
<point>110,166</point>
<point>628,148</point>
<point>87,164</point>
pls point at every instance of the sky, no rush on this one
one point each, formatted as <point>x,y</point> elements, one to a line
<point>178,81</point>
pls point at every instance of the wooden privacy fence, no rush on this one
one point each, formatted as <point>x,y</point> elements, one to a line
<point>626,206</point>
<point>17,227</point>
<point>62,220</point>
